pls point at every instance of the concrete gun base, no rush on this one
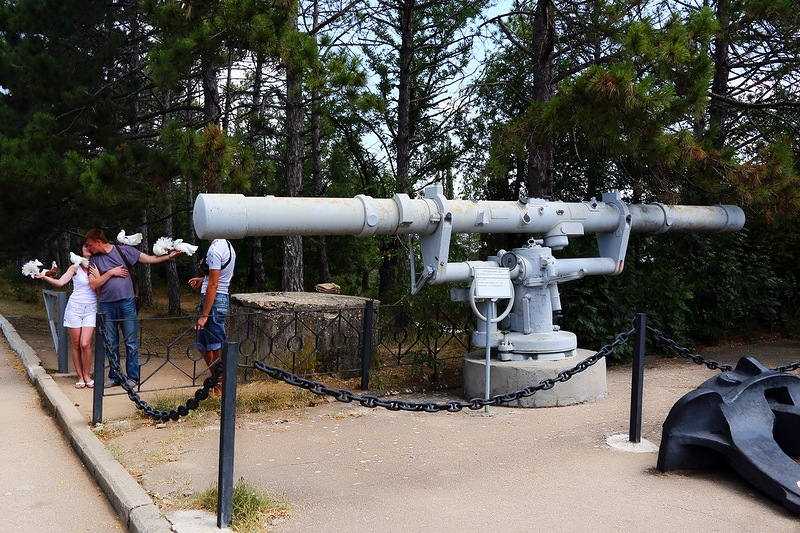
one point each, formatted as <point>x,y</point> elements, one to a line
<point>510,376</point>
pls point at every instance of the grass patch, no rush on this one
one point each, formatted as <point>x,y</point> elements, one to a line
<point>254,397</point>
<point>253,508</point>
<point>111,430</point>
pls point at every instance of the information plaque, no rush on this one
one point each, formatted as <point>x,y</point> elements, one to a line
<point>491,283</point>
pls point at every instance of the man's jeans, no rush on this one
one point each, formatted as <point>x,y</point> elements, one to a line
<point>121,315</point>
<point>212,336</point>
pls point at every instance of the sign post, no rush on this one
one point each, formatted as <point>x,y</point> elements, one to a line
<point>491,284</point>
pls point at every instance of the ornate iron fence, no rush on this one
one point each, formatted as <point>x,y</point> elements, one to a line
<point>422,340</point>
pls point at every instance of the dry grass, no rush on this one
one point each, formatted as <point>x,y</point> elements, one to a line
<point>253,397</point>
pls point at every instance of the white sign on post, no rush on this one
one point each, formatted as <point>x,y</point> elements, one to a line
<point>491,283</point>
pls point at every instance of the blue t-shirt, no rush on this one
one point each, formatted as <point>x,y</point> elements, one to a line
<point>116,288</point>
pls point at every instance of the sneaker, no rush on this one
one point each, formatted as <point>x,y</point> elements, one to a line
<point>133,384</point>
<point>111,383</point>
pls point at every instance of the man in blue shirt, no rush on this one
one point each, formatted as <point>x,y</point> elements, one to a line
<point>109,275</point>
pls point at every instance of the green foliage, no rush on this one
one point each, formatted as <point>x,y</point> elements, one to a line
<point>51,55</point>
<point>770,183</point>
<point>14,286</point>
<point>252,506</point>
<point>694,288</point>
<point>39,192</point>
<point>426,364</point>
<point>655,82</point>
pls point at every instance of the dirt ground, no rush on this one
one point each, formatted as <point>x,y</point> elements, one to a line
<point>343,467</point>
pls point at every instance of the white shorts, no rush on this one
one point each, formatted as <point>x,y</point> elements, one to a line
<point>80,316</point>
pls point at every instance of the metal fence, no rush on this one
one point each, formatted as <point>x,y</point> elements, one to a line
<point>55,302</point>
<point>418,341</point>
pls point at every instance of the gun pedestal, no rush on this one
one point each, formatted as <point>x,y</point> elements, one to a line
<point>528,344</point>
<point>507,376</point>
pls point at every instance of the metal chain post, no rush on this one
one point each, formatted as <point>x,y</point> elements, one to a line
<point>637,378</point>
<point>227,433</point>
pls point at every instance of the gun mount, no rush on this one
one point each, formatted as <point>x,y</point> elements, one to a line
<point>531,345</point>
<point>530,319</point>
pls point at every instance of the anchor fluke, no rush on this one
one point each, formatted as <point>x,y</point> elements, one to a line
<point>749,418</point>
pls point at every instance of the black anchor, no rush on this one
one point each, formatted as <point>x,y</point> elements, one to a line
<point>749,417</point>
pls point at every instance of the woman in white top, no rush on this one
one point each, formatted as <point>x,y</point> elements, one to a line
<point>80,314</point>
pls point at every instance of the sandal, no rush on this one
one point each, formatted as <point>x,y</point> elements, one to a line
<point>80,385</point>
<point>90,384</point>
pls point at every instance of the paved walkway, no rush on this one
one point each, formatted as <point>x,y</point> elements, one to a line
<point>44,487</point>
<point>57,475</point>
<point>343,467</point>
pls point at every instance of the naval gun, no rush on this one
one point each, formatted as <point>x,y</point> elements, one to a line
<point>527,330</point>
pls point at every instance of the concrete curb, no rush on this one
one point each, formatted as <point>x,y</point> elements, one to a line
<point>129,499</point>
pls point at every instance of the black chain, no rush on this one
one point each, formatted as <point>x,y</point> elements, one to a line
<point>371,401</point>
<point>452,406</point>
<point>788,368</point>
<point>700,360</point>
<point>149,410</point>
<point>686,353</point>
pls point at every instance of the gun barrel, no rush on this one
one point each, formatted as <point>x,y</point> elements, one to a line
<point>659,218</point>
<point>235,216</point>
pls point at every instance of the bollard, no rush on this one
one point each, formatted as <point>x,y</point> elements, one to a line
<point>55,317</point>
<point>488,371</point>
<point>99,369</point>
<point>367,354</point>
<point>637,378</point>
<point>230,352</point>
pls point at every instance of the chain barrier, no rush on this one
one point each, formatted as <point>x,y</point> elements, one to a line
<point>686,353</point>
<point>700,360</point>
<point>149,410</point>
<point>371,401</point>
<point>452,406</point>
<point>788,368</point>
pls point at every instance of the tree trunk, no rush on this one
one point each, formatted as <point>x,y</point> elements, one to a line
<point>63,252</point>
<point>391,250</point>
<point>226,117</point>
<point>292,264</point>
<point>323,264</point>
<point>144,272</point>
<point>540,149</point>
<point>322,259</point>
<point>540,169</point>
<point>405,89</point>
<point>193,269</point>
<point>719,85</point>
<point>211,107</point>
<point>173,282</point>
<point>389,272</point>
<point>293,245</point>
<point>259,277</point>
